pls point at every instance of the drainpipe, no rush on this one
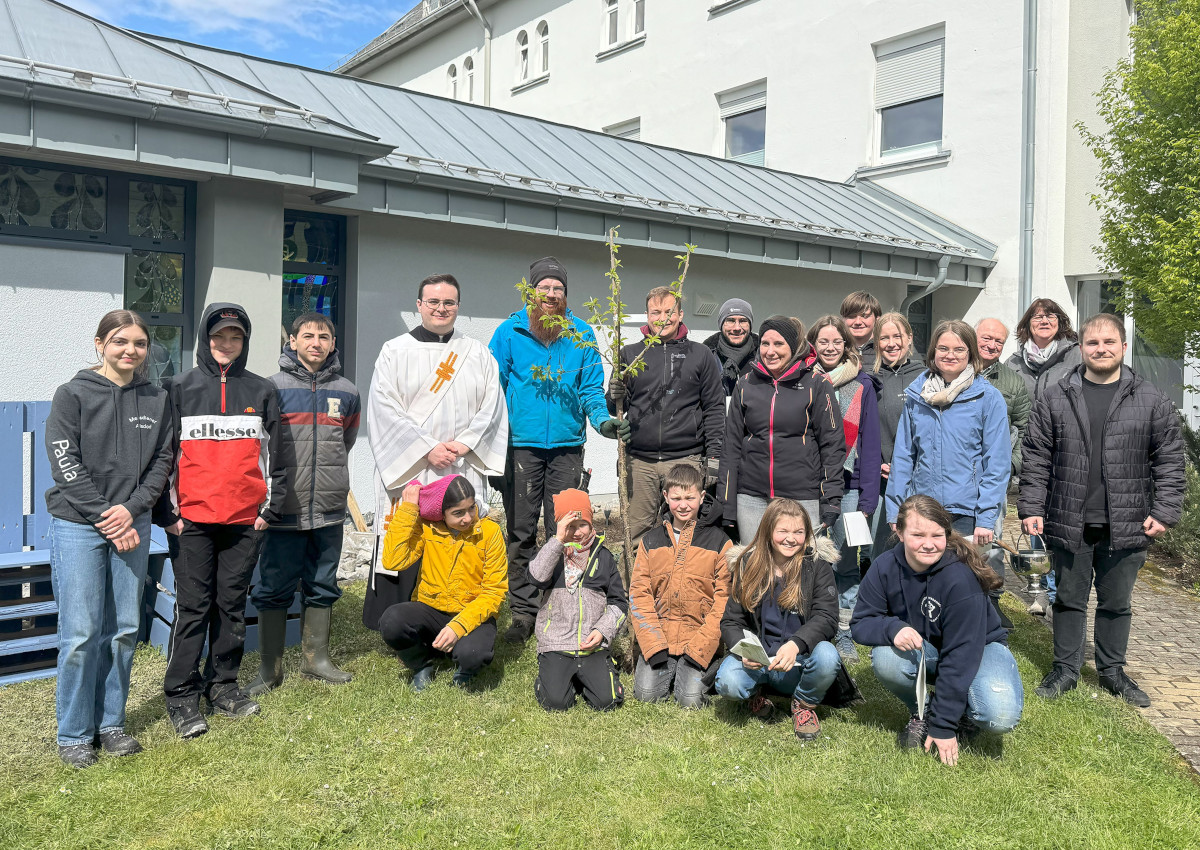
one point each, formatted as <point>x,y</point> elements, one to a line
<point>930,288</point>
<point>1028,132</point>
<point>487,49</point>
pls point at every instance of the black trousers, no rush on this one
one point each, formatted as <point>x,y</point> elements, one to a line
<point>533,477</point>
<point>410,628</point>
<point>1114,572</point>
<point>212,578</point>
<point>562,677</point>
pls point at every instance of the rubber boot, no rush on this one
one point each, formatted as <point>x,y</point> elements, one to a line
<point>272,635</point>
<point>314,647</point>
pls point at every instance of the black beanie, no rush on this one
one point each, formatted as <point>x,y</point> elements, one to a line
<point>785,327</point>
<point>546,267</point>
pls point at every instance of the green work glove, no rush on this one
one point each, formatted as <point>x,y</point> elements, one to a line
<point>615,429</point>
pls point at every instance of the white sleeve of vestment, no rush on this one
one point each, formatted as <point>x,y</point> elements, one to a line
<point>486,434</point>
<point>397,442</point>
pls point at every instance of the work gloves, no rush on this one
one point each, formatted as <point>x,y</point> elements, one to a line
<point>615,429</point>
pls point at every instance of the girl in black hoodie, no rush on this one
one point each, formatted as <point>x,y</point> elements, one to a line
<point>110,438</point>
<point>929,595</point>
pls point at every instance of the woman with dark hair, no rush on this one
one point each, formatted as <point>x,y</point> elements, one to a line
<point>953,441</point>
<point>928,596</point>
<point>838,362</point>
<point>783,433</point>
<point>783,593</point>
<point>1049,346</point>
<point>110,441</point>
<point>463,579</point>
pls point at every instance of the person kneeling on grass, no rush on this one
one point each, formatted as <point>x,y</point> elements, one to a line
<point>785,594</point>
<point>464,576</point>
<point>677,595</point>
<point>581,614</point>
<point>929,595</point>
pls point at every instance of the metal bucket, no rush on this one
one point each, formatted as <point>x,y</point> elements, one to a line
<point>1031,562</point>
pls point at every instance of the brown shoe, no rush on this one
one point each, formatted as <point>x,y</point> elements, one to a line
<point>761,707</point>
<point>804,720</point>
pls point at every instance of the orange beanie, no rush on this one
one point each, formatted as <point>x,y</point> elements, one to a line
<point>572,500</point>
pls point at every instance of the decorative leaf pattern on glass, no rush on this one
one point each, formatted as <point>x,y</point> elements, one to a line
<point>156,210</point>
<point>78,210</point>
<point>154,282</point>
<point>19,201</point>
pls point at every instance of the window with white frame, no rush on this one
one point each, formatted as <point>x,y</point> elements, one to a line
<point>744,113</point>
<point>631,129</point>
<point>909,75</point>
<point>522,56</point>
<point>638,17</point>
<point>469,79</point>
<point>543,33</point>
<point>612,22</point>
<point>452,82</point>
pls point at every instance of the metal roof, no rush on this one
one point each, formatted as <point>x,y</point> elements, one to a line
<point>447,138</point>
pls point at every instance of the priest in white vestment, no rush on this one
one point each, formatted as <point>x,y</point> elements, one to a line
<point>435,408</point>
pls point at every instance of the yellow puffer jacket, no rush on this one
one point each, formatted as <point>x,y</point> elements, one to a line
<point>466,575</point>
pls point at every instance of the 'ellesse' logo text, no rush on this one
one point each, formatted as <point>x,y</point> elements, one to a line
<point>222,428</point>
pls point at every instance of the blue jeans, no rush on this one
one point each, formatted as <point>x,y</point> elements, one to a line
<point>308,558</point>
<point>654,684</point>
<point>994,700</point>
<point>807,681</point>
<point>846,572</point>
<point>99,595</point>
<point>750,510</point>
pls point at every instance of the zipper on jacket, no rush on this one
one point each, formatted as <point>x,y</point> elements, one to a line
<point>771,444</point>
<point>312,488</point>
<point>224,369</point>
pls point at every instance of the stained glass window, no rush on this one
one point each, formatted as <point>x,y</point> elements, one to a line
<point>34,196</point>
<point>154,282</point>
<point>156,210</point>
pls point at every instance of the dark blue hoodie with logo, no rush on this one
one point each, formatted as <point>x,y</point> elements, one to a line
<point>947,606</point>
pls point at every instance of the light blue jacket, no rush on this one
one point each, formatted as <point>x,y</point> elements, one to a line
<point>961,455</point>
<point>548,414</point>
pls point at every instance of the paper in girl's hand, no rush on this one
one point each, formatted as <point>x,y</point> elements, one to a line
<point>750,648</point>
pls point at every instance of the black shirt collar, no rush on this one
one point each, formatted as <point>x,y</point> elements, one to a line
<point>422,334</point>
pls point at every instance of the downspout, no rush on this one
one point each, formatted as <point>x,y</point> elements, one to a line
<point>1028,132</point>
<point>930,288</point>
<point>487,50</point>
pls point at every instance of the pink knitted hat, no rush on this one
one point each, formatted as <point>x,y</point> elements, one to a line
<point>429,503</point>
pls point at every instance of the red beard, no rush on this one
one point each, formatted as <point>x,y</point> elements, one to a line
<point>541,332</point>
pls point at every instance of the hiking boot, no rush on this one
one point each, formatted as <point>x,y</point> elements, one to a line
<point>232,702</point>
<point>78,755</point>
<point>1038,606</point>
<point>314,647</point>
<point>845,647</point>
<point>761,707</point>
<point>967,730</point>
<point>461,679</point>
<point>272,635</point>
<point>912,736</point>
<point>519,631</point>
<point>1120,685</point>
<point>187,719</point>
<point>423,678</point>
<point>116,743</point>
<point>1056,683</point>
<point>804,720</point>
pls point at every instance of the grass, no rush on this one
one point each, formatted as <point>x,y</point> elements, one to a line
<point>373,765</point>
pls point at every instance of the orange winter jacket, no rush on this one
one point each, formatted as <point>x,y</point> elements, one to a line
<point>465,574</point>
<point>678,591</point>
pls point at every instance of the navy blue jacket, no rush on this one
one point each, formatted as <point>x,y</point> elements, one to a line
<point>947,606</point>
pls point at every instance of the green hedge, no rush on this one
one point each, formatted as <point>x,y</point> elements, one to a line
<point>1183,541</point>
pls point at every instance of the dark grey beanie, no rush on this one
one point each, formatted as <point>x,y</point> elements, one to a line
<point>735,307</point>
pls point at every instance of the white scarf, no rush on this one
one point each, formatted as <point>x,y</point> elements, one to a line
<point>1035,356</point>
<point>940,394</point>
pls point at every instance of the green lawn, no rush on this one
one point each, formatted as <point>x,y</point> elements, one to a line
<point>374,765</point>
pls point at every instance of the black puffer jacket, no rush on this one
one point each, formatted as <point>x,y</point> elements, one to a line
<point>892,382</point>
<point>1143,461</point>
<point>732,369</point>
<point>783,438</point>
<point>1060,364</point>
<point>675,405</point>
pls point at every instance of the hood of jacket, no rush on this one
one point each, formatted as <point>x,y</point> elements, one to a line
<point>212,313</point>
<point>289,361</point>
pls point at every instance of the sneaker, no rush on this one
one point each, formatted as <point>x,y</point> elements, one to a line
<point>1056,683</point>
<point>78,755</point>
<point>232,702</point>
<point>1038,606</point>
<point>761,707</point>
<point>116,743</point>
<point>845,647</point>
<point>912,736</point>
<point>1120,685</point>
<point>461,679</point>
<point>805,723</point>
<point>187,719</point>
<point>423,678</point>
<point>519,631</point>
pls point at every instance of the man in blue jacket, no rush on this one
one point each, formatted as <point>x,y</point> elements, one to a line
<point>547,423</point>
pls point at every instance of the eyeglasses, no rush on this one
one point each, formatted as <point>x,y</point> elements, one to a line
<point>551,290</point>
<point>957,352</point>
<point>438,303</point>
<point>1043,317</point>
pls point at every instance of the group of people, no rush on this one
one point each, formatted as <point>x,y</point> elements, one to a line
<point>770,439</point>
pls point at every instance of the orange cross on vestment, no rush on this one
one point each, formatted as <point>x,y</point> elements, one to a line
<point>445,371</point>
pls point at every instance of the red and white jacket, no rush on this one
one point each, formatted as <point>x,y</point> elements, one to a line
<point>226,420</point>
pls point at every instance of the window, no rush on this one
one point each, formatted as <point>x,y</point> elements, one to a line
<point>543,33</point>
<point>631,130</point>
<point>154,217</point>
<point>452,82</point>
<point>909,73</point>
<point>314,266</point>
<point>469,78</point>
<point>522,56</point>
<point>612,25</point>
<point>639,17</point>
<point>744,111</point>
